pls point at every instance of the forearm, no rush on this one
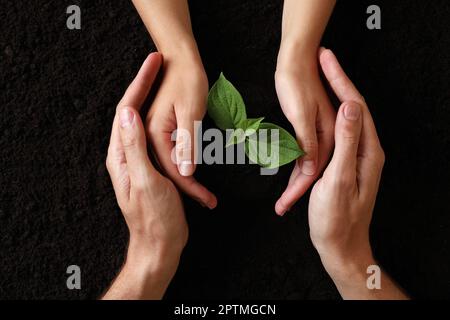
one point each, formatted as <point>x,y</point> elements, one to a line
<point>304,22</point>
<point>169,25</point>
<point>351,280</point>
<point>143,276</point>
<point>135,283</point>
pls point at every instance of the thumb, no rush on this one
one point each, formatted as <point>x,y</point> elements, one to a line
<point>133,140</point>
<point>185,145</point>
<point>347,136</point>
<point>307,137</point>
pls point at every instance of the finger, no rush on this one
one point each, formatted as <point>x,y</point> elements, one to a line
<point>371,157</point>
<point>138,90</point>
<point>305,131</point>
<point>339,82</point>
<point>299,183</point>
<point>132,136</point>
<point>370,154</point>
<point>303,118</point>
<point>304,124</point>
<point>163,147</point>
<point>185,139</point>
<point>343,165</point>
<point>116,164</point>
<point>116,154</point>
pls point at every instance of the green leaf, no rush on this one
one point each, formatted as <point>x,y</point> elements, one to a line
<point>251,150</point>
<point>225,105</point>
<point>259,148</point>
<point>251,125</point>
<point>238,136</point>
<point>246,129</point>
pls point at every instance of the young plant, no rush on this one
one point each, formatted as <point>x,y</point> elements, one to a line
<point>227,108</point>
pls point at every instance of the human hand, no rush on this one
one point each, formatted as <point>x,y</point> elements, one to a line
<point>180,101</point>
<point>342,201</point>
<point>150,203</point>
<point>307,107</point>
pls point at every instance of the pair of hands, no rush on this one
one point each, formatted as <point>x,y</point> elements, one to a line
<point>340,206</point>
<point>181,100</point>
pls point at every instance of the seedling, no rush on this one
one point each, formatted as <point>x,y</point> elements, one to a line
<point>227,108</point>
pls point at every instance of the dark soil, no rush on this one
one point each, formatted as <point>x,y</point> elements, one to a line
<point>59,89</point>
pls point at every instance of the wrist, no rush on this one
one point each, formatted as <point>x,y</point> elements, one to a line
<point>144,281</point>
<point>183,51</point>
<point>299,48</point>
<point>295,56</point>
<point>151,262</point>
<point>348,271</point>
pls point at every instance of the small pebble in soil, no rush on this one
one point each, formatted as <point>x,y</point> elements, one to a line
<point>8,52</point>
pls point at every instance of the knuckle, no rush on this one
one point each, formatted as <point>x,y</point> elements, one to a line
<point>380,157</point>
<point>309,145</point>
<point>349,133</point>
<point>108,163</point>
<point>342,182</point>
<point>129,142</point>
<point>190,112</point>
<point>140,187</point>
<point>350,140</point>
<point>377,157</point>
<point>297,114</point>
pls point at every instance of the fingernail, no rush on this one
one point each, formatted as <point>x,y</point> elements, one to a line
<point>126,118</point>
<point>185,168</point>
<point>211,204</point>
<point>352,112</point>
<point>280,212</point>
<point>308,167</point>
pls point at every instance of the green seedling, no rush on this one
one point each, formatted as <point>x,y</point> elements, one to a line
<point>227,108</point>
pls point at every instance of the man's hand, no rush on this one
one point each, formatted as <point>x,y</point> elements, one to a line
<point>342,201</point>
<point>150,203</point>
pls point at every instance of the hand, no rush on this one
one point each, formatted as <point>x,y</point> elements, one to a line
<point>150,203</point>
<point>180,101</point>
<point>341,203</point>
<point>307,107</point>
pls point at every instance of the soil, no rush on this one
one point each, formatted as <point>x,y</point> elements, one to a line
<point>59,89</point>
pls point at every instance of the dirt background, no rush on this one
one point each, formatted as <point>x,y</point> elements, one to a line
<point>58,91</point>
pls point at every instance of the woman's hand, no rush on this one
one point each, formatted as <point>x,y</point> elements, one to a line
<point>301,94</point>
<point>182,97</point>
<point>150,203</point>
<point>181,100</point>
<point>307,107</point>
